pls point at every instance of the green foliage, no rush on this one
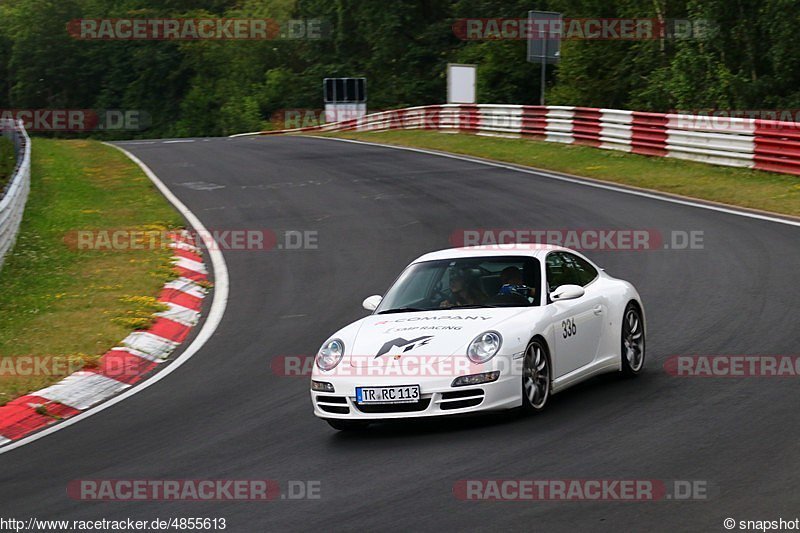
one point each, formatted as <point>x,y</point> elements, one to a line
<point>402,47</point>
<point>8,161</point>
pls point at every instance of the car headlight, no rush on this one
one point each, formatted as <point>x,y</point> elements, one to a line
<point>330,354</point>
<point>484,347</point>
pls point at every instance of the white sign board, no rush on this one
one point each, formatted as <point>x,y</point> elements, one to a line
<point>340,112</point>
<point>461,84</point>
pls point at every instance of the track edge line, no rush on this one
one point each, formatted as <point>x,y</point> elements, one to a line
<point>216,312</point>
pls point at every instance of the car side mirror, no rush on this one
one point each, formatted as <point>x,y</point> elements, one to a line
<point>567,292</point>
<point>372,303</point>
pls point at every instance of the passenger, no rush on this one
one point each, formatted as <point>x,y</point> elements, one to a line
<point>513,284</point>
<point>511,276</point>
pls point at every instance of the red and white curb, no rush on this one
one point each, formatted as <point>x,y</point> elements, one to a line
<point>123,366</point>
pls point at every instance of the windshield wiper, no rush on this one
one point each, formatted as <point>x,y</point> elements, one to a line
<point>401,310</point>
<point>471,306</point>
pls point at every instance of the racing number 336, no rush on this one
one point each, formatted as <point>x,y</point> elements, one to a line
<point>569,327</point>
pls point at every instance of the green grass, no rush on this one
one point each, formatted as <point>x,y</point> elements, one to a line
<point>741,187</point>
<point>8,161</point>
<point>59,301</point>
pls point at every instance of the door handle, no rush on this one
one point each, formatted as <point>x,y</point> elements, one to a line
<point>598,310</point>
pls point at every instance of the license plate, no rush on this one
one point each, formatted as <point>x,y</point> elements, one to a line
<point>387,395</point>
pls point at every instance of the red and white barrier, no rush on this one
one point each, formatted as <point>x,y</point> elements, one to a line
<point>616,130</point>
<point>716,140</point>
<point>125,365</point>
<point>777,146</point>
<point>748,143</point>
<point>560,124</point>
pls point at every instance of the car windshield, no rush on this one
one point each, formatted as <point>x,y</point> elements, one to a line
<point>466,283</point>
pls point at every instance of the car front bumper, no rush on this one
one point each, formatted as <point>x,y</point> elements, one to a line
<point>438,397</point>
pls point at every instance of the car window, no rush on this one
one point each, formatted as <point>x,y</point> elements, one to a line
<point>585,273</point>
<point>418,287</point>
<point>559,272</point>
<point>504,281</point>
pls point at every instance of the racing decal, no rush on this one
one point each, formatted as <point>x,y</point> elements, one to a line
<point>424,318</point>
<point>425,328</point>
<point>405,344</point>
<point>569,327</point>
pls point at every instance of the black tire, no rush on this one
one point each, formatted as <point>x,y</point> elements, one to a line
<point>633,346</point>
<point>537,377</point>
<point>347,425</point>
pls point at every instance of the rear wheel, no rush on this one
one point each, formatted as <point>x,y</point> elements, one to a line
<point>633,342</point>
<point>536,377</point>
<point>347,425</point>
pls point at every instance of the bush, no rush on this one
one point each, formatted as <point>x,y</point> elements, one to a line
<point>8,161</point>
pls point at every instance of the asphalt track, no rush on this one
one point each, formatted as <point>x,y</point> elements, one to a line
<point>224,414</point>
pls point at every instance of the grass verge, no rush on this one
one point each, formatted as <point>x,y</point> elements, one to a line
<point>741,187</point>
<point>56,301</point>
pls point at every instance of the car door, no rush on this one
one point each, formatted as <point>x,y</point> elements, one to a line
<point>577,323</point>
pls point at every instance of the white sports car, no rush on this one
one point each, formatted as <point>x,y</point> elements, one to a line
<point>479,329</point>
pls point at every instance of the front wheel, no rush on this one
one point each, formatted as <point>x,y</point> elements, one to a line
<point>536,377</point>
<point>633,342</point>
<point>347,425</point>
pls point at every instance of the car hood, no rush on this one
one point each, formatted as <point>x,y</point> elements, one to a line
<point>430,335</point>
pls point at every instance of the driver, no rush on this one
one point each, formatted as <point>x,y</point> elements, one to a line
<point>512,283</point>
<point>464,290</point>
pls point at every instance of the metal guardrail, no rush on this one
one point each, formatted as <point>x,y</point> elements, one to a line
<point>15,193</point>
<point>749,143</point>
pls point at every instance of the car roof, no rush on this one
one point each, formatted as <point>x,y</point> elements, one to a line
<point>493,250</point>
